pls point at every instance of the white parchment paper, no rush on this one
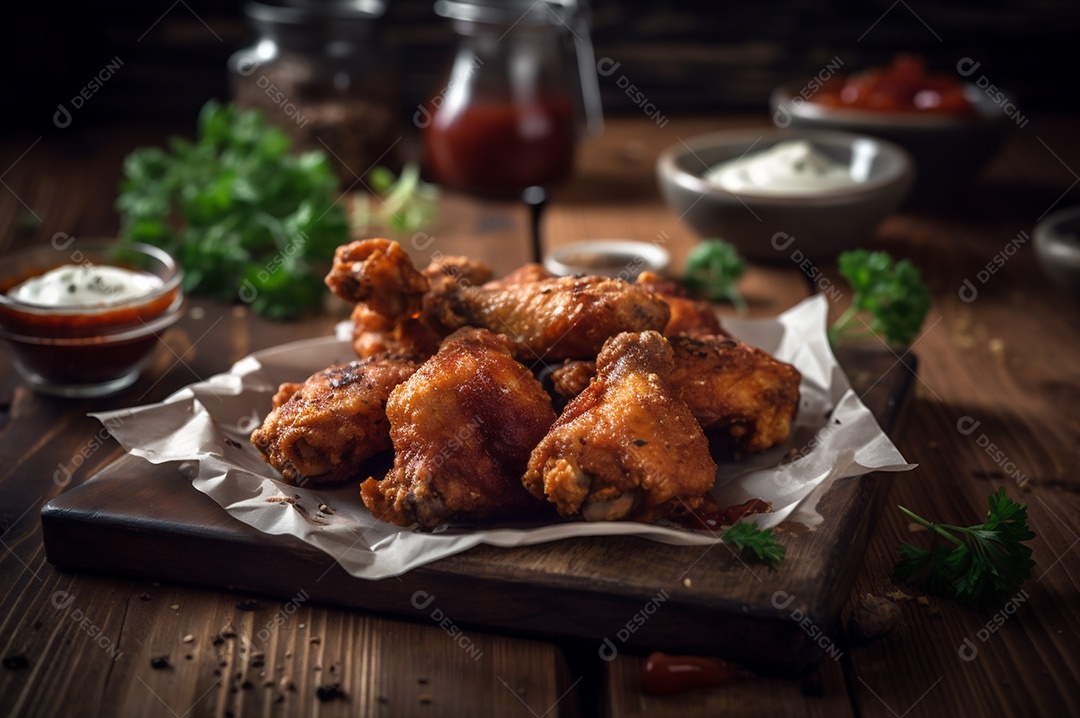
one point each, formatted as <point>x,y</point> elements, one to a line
<point>206,426</point>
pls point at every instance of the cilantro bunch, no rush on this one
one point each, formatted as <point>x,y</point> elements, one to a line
<point>977,565</point>
<point>244,216</point>
<point>892,293</point>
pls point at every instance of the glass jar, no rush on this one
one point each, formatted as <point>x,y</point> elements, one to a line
<point>319,72</point>
<point>507,115</point>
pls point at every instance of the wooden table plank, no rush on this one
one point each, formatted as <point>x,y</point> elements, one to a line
<point>1022,389</point>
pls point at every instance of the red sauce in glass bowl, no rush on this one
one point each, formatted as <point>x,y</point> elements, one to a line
<point>86,349</point>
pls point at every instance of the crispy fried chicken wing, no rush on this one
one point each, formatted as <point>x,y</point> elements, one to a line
<point>531,272</point>
<point>324,429</point>
<point>374,332</point>
<point>742,396</point>
<point>627,447</point>
<point>462,428</point>
<point>380,273</point>
<point>688,316</point>
<point>552,319</point>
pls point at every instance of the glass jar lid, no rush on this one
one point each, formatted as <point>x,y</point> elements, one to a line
<point>304,12</point>
<point>508,12</point>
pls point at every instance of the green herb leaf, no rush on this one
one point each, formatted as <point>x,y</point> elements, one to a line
<point>745,535</point>
<point>892,293</point>
<point>402,204</point>
<point>979,565</point>
<point>712,269</point>
<point>247,218</point>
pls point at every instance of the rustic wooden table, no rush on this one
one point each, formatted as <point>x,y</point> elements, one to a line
<point>1005,364</point>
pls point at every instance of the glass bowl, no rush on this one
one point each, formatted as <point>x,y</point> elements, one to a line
<point>91,348</point>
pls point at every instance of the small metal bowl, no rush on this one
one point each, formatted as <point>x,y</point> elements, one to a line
<point>1057,245</point>
<point>619,258</point>
<point>89,349</point>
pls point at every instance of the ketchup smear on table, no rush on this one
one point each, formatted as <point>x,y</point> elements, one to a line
<point>664,674</point>
<point>711,516</point>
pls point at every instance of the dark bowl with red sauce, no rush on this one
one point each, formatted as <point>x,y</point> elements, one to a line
<point>93,348</point>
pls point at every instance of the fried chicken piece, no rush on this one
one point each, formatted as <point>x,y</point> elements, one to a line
<point>627,447</point>
<point>688,316</point>
<point>324,429</point>
<point>572,377</point>
<point>743,397</point>
<point>462,428</point>
<point>375,333</point>
<point>456,270</point>
<point>552,319</point>
<point>380,273</point>
<point>531,272</point>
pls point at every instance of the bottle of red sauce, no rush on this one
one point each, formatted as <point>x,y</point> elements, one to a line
<point>506,116</point>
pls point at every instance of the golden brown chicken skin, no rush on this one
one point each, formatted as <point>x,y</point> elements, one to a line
<point>688,316</point>
<point>411,333</point>
<point>552,319</point>
<point>379,272</point>
<point>627,447</point>
<point>743,397</point>
<point>324,429</point>
<point>462,428</point>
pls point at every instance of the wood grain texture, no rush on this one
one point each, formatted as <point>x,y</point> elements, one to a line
<point>1023,390</point>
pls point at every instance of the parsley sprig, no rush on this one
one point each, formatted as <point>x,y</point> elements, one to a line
<point>712,270</point>
<point>245,217</point>
<point>891,293</point>
<point>745,535</point>
<point>978,565</point>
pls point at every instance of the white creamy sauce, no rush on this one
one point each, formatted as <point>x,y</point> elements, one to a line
<point>789,167</point>
<point>85,285</point>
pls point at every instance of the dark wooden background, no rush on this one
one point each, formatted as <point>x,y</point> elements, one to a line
<point>685,55</point>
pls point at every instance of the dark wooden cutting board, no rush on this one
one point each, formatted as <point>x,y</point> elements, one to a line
<point>614,593</point>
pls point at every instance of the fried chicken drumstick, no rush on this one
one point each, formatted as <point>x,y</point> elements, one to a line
<point>462,428</point>
<point>627,447</point>
<point>324,429</point>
